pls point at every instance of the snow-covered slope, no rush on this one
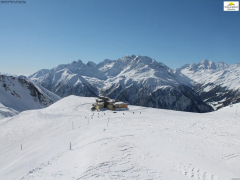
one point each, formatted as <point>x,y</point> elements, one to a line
<point>72,78</point>
<point>208,72</point>
<point>39,73</point>
<point>217,83</point>
<point>20,94</point>
<point>138,80</point>
<point>7,112</point>
<point>142,143</point>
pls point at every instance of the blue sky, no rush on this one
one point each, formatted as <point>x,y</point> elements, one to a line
<point>44,33</point>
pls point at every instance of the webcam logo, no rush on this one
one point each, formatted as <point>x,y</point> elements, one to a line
<point>231,6</point>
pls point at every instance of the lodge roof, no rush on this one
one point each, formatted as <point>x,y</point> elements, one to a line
<point>119,103</point>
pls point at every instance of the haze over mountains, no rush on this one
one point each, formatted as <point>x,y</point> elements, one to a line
<point>140,80</point>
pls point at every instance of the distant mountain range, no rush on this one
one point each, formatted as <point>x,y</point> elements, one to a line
<point>218,83</point>
<point>137,80</point>
<point>140,80</point>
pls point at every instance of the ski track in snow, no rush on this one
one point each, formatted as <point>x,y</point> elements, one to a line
<point>120,165</point>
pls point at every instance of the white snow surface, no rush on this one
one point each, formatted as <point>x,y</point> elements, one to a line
<point>6,111</point>
<point>142,143</point>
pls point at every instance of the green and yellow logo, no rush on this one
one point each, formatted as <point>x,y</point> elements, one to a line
<point>231,4</point>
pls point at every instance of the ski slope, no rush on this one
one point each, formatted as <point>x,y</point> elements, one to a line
<point>142,143</point>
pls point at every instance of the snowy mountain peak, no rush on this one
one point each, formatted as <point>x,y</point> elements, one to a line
<point>106,61</point>
<point>205,61</point>
<point>206,64</point>
<point>76,64</point>
<point>91,64</point>
<point>40,73</point>
<point>136,57</point>
<point>22,77</point>
<point>216,82</point>
<point>72,66</point>
<point>127,58</point>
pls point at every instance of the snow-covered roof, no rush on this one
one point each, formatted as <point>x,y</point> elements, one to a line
<point>103,97</point>
<point>111,100</point>
<point>119,103</point>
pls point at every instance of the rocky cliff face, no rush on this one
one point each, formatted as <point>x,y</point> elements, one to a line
<point>180,98</point>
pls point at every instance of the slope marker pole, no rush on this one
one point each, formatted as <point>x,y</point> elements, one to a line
<point>108,121</point>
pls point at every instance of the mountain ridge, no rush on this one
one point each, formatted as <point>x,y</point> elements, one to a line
<point>143,75</point>
<point>217,83</point>
<point>20,93</point>
<point>149,80</point>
